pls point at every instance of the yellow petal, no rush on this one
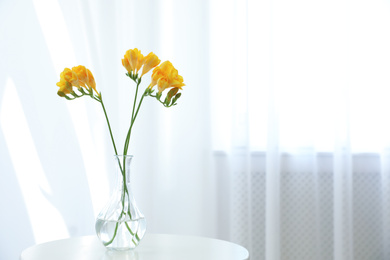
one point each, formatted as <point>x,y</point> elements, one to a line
<point>162,84</point>
<point>157,73</point>
<point>166,76</point>
<point>70,76</point>
<point>65,87</point>
<point>81,73</point>
<point>150,61</point>
<point>126,64</point>
<point>166,67</point>
<point>176,84</point>
<point>136,59</point>
<point>91,81</point>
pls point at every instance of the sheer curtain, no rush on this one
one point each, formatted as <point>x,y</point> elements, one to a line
<point>56,158</point>
<point>299,110</point>
<point>279,142</point>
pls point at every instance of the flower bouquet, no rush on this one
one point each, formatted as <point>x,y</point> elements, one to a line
<point>120,225</point>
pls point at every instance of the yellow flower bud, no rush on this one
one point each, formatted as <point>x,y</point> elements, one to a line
<point>170,94</point>
<point>150,61</point>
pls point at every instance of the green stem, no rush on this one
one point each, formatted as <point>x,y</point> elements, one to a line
<point>100,99</point>
<point>126,147</point>
<point>109,126</point>
<point>123,170</point>
<point>132,124</point>
<point>135,99</point>
<point>125,191</point>
<point>113,237</point>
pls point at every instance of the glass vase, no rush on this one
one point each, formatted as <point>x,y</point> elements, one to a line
<point>120,225</point>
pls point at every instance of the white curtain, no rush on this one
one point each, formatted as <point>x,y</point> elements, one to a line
<point>299,127</point>
<point>279,143</point>
<point>56,156</point>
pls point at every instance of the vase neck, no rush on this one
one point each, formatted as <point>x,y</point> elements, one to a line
<point>123,167</point>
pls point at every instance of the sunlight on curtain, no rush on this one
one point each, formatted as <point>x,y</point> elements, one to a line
<point>172,173</point>
<point>30,175</point>
<point>61,50</point>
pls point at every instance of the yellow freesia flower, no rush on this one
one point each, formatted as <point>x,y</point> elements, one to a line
<point>133,60</point>
<point>150,61</point>
<point>166,76</point>
<point>85,77</point>
<point>70,76</point>
<point>79,77</point>
<point>176,81</point>
<point>65,87</point>
<point>136,59</point>
<point>161,71</point>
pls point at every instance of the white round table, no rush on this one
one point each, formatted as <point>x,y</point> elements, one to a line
<point>152,247</point>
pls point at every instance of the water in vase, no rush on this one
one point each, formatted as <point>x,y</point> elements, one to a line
<point>121,235</point>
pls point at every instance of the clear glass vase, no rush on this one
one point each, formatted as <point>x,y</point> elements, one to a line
<point>120,225</point>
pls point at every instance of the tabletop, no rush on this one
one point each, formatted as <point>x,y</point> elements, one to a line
<point>152,247</point>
